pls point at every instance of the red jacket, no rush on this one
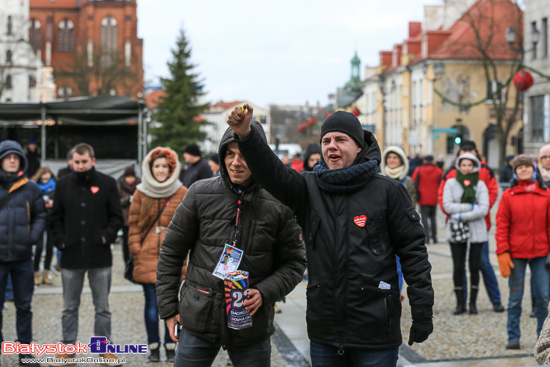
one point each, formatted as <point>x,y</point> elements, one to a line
<point>486,175</point>
<point>428,182</point>
<point>523,222</point>
<point>297,165</point>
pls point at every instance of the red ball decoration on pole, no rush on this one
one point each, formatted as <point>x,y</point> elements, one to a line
<point>310,121</point>
<point>523,80</point>
<point>356,111</point>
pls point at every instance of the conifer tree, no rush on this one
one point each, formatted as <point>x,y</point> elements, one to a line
<point>177,112</point>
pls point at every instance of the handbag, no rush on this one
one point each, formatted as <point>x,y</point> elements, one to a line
<point>460,231</point>
<point>129,267</point>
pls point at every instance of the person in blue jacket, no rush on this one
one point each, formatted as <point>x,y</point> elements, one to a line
<point>22,222</point>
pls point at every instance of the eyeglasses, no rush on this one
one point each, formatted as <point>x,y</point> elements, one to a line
<point>545,157</point>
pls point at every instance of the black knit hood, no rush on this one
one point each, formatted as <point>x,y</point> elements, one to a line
<point>229,137</point>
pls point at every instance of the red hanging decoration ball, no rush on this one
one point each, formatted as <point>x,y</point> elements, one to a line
<point>356,111</point>
<point>310,121</point>
<point>523,80</point>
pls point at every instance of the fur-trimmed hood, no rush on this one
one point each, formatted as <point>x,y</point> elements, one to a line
<point>150,186</point>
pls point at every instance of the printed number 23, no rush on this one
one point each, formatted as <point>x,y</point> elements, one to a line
<point>239,297</point>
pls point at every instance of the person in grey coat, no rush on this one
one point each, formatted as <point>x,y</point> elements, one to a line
<point>466,199</point>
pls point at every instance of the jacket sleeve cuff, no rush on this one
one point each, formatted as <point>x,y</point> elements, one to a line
<point>421,311</point>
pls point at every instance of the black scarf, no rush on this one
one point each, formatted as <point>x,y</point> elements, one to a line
<point>86,176</point>
<point>344,180</point>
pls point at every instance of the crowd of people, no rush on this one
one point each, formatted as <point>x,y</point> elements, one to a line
<point>177,222</point>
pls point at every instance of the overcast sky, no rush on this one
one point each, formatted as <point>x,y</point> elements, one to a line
<point>273,51</point>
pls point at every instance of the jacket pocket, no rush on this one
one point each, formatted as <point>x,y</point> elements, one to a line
<point>196,308</point>
<point>314,226</point>
<point>413,215</point>
<point>377,308</point>
<point>375,228</point>
<point>314,301</point>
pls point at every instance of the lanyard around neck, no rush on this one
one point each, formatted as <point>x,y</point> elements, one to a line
<point>238,217</point>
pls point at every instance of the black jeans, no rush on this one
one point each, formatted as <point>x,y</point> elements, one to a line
<point>23,287</point>
<point>428,211</point>
<point>49,251</point>
<point>458,251</point>
<point>196,352</point>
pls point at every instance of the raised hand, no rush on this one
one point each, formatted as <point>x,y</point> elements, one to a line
<point>239,120</point>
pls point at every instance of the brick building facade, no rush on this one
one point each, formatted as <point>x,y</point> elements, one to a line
<point>91,44</point>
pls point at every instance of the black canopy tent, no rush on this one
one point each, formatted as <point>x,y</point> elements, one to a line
<point>102,110</point>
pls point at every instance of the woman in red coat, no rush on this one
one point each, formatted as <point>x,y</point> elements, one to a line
<point>523,232</point>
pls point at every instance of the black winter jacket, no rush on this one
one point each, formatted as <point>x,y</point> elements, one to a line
<point>274,256</point>
<point>23,219</point>
<point>195,172</point>
<point>353,292</point>
<point>84,211</point>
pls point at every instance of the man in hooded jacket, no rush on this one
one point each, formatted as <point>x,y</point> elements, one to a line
<point>355,221</point>
<point>22,221</point>
<point>229,209</point>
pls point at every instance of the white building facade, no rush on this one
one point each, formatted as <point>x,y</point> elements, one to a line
<point>20,75</point>
<point>536,101</point>
<point>216,122</point>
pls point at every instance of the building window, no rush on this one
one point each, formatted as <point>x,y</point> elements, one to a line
<point>537,118</point>
<point>65,36</point>
<point>545,37</point>
<point>534,27</point>
<point>108,40</point>
<point>495,91</point>
<point>65,92</point>
<point>32,81</point>
<point>8,83</point>
<point>35,34</point>
<point>10,26</point>
<point>9,55</point>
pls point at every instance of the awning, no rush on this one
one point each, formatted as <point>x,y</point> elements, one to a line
<point>102,110</point>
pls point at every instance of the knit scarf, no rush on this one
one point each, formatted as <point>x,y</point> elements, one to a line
<point>468,183</point>
<point>346,179</point>
<point>395,173</point>
<point>544,173</point>
<point>48,186</point>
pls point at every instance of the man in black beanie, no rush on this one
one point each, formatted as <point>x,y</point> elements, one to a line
<point>354,222</point>
<point>197,168</point>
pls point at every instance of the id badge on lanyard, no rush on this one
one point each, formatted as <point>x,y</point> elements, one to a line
<point>231,256</point>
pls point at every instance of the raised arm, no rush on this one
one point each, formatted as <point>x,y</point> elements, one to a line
<point>287,185</point>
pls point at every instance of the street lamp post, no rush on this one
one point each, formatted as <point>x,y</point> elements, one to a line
<point>511,39</point>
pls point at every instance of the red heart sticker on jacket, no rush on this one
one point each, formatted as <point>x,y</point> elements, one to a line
<point>467,182</point>
<point>360,220</point>
<point>94,189</point>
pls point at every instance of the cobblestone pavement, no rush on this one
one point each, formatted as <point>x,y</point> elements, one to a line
<point>126,303</point>
<point>464,340</point>
<point>468,340</point>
